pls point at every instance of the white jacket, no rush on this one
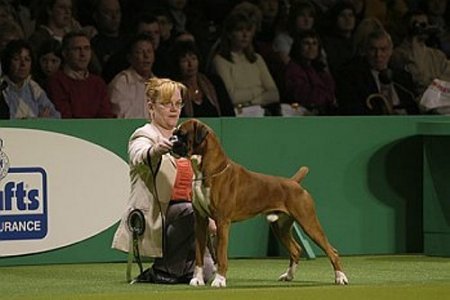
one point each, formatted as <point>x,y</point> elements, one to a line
<point>143,194</point>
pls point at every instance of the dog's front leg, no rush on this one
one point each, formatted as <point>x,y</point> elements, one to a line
<point>223,228</point>
<point>201,225</point>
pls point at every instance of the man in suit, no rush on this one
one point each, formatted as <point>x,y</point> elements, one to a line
<point>368,87</point>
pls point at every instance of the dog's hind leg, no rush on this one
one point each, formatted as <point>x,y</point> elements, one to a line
<point>282,230</point>
<point>307,218</point>
<point>201,225</point>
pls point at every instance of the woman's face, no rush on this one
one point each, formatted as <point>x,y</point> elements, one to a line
<point>188,65</point>
<point>49,63</point>
<point>61,13</point>
<point>305,21</point>
<point>142,58</point>
<point>166,113</point>
<point>346,20</point>
<point>309,48</point>
<point>20,66</point>
<point>242,37</point>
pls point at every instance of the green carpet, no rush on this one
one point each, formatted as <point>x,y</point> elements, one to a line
<point>371,277</point>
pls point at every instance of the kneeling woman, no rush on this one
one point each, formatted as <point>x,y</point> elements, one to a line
<point>161,187</point>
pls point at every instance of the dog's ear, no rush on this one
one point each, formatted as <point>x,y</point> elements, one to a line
<point>201,131</point>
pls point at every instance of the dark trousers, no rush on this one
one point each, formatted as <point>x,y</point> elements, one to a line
<point>178,259</point>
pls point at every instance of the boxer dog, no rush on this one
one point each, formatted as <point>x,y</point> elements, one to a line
<point>227,192</point>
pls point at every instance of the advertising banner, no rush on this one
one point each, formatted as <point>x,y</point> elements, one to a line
<point>56,190</point>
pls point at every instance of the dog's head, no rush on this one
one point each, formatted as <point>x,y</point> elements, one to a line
<point>189,138</point>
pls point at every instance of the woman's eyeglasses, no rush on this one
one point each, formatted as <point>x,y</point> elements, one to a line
<point>167,105</point>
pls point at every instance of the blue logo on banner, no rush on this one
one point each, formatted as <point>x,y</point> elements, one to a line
<point>23,204</point>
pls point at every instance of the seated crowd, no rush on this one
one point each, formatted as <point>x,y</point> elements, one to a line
<point>93,58</point>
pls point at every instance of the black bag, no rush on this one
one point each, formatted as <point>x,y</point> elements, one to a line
<point>156,276</point>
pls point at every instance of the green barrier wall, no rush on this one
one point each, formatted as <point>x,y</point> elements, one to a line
<point>436,200</point>
<point>365,174</point>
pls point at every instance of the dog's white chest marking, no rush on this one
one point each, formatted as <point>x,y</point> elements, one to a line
<point>201,199</point>
<point>201,194</point>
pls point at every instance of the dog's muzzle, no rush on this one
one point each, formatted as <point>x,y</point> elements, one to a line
<point>179,141</point>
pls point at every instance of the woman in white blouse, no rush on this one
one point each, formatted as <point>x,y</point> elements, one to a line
<point>243,71</point>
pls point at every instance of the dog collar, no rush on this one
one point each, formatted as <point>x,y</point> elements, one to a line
<point>213,175</point>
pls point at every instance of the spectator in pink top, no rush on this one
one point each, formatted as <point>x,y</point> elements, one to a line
<point>308,81</point>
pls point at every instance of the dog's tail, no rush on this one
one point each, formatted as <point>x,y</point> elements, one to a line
<point>301,174</point>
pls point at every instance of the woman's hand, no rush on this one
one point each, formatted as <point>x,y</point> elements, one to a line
<point>161,147</point>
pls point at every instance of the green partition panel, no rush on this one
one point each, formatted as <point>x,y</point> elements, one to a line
<point>436,197</point>
<point>365,175</point>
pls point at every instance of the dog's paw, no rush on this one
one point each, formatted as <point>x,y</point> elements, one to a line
<point>197,279</point>
<point>219,281</point>
<point>340,278</point>
<point>285,277</point>
<point>289,274</point>
<point>197,282</point>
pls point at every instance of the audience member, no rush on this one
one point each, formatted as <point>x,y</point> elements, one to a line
<point>360,7</point>
<point>165,27</point>
<point>127,89</point>
<point>413,55</point>
<point>24,97</point>
<point>254,16</point>
<point>9,31</point>
<point>6,12</point>
<point>438,12</point>
<point>396,11</point>
<point>202,99</point>
<point>11,10</point>
<point>362,31</point>
<point>55,19</point>
<point>169,215</point>
<point>385,11</point>
<point>75,91</point>
<point>186,17</point>
<point>145,24</point>
<point>338,36</point>
<point>107,17</point>
<point>308,82</point>
<point>131,9</point>
<point>48,62</point>
<point>301,17</point>
<point>243,71</point>
<point>274,14</point>
<point>369,87</point>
